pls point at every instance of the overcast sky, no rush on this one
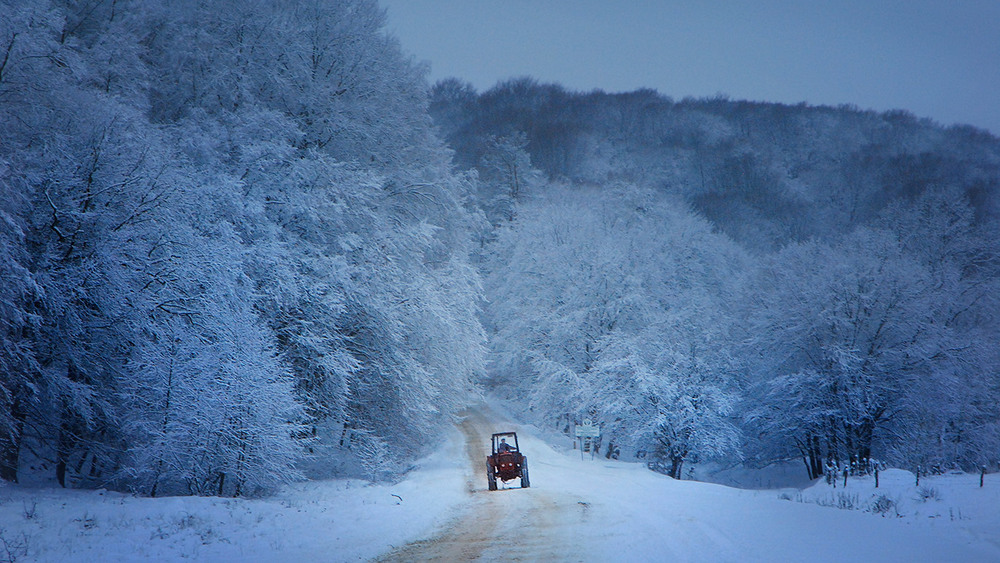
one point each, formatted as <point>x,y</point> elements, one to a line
<point>936,58</point>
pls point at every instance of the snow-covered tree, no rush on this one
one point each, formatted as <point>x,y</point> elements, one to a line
<point>610,304</point>
<point>231,226</point>
<point>18,320</point>
<point>847,334</point>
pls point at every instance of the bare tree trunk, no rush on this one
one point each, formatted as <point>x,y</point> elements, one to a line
<point>676,463</point>
<point>817,457</point>
<point>812,456</point>
<point>62,455</point>
<point>10,447</point>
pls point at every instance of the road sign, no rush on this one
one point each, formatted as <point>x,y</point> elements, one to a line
<point>587,430</point>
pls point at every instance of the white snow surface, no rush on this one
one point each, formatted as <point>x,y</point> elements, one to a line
<point>335,520</point>
<point>576,510</point>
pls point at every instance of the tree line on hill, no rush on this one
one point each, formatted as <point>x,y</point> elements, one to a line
<point>738,280</point>
<point>243,243</point>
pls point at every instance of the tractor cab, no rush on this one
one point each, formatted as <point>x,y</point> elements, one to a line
<point>504,442</point>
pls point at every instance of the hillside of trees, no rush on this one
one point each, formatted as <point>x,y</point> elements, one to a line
<point>234,252</point>
<point>738,280</point>
<point>246,243</point>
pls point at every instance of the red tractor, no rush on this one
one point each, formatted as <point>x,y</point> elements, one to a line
<point>506,462</point>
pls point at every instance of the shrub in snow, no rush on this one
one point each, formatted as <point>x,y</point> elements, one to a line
<point>786,495</point>
<point>30,512</point>
<point>882,504</point>
<point>925,494</point>
<point>13,548</point>
<point>846,501</point>
<point>843,501</point>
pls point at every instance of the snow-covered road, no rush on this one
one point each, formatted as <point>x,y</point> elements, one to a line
<point>576,510</point>
<point>599,510</point>
<point>511,524</point>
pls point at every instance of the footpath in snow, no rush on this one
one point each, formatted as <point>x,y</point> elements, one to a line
<point>576,510</point>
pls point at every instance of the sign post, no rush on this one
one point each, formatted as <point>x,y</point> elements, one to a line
<point>587,433</point>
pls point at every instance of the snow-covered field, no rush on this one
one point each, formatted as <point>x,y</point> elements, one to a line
<point>337,520</point>
<point>576,509</point>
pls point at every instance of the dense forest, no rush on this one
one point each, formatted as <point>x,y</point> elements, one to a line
<point>244,243</point>
<point>738,280</point>
<point>234,252</point>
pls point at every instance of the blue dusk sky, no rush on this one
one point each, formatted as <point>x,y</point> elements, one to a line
<point>935,58</point>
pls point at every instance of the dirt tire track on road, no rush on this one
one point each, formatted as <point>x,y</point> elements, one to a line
<point>516,525</point>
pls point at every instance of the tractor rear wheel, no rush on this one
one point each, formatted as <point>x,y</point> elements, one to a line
<point>525,483</point>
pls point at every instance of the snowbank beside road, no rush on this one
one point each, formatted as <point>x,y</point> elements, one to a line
<point>953,502</point>
<point>633,514</point>
<point>337,520</point>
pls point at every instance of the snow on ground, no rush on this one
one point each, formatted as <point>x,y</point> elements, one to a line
<point>336,520</point>
<point>576,510</point>
<point>952,502</point>
<point>636,515</point>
